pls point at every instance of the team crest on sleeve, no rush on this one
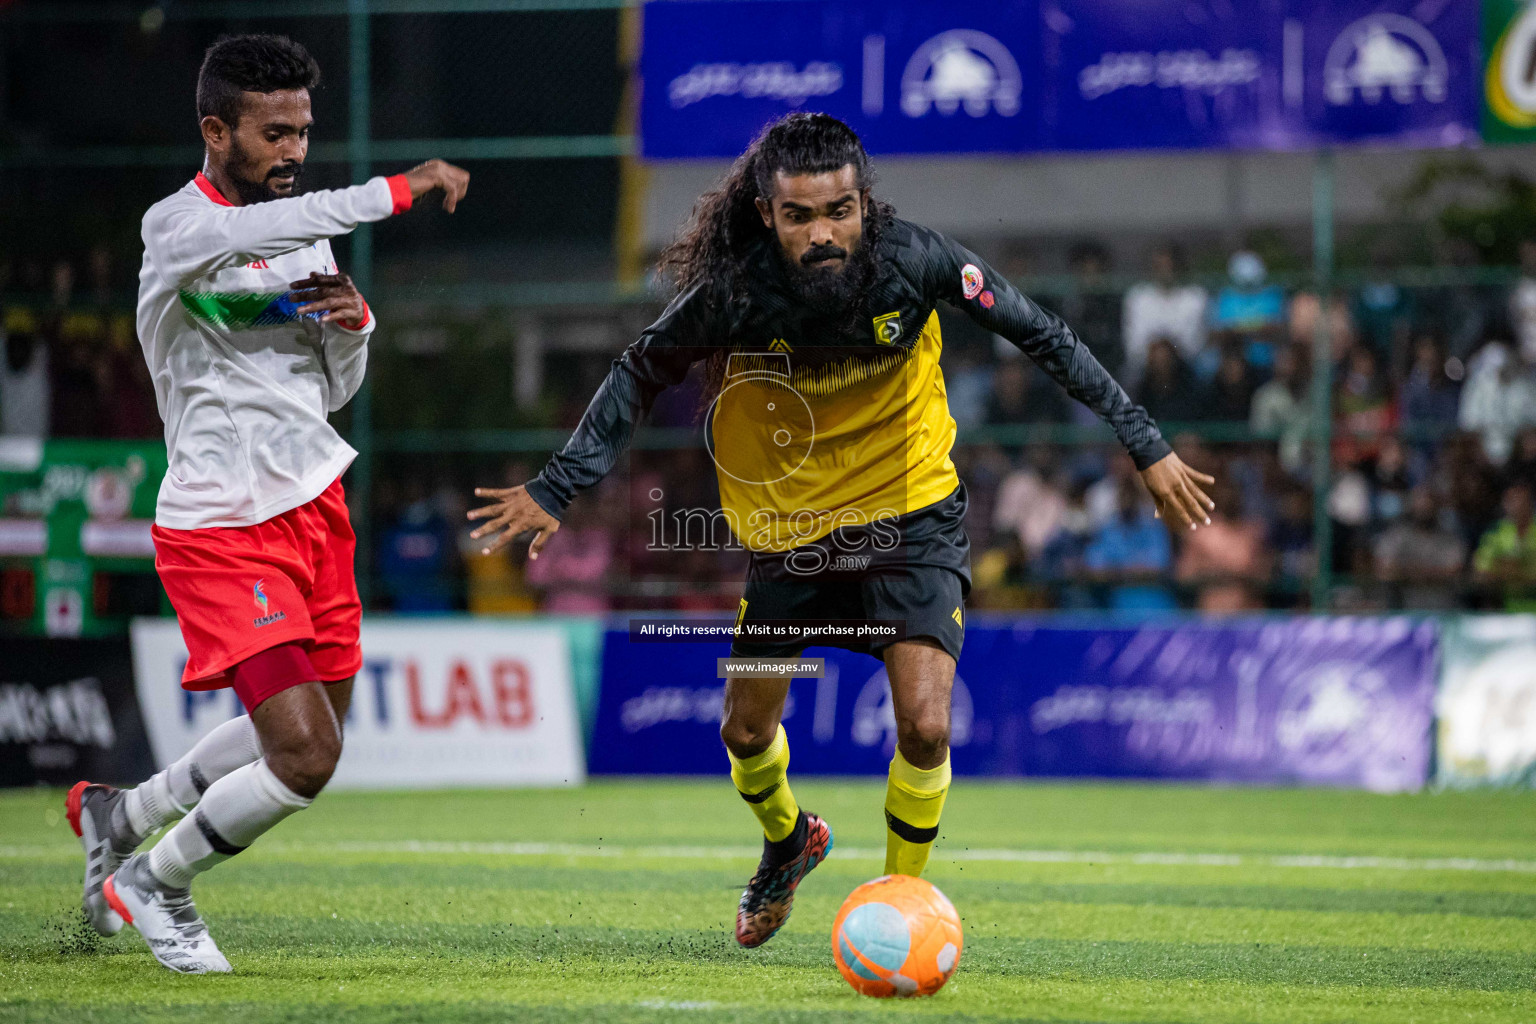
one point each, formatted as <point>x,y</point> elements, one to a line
<point>971,281</point>
<point>888,328</point>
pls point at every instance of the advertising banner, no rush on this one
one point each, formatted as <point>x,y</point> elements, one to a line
<point>926,76</point>
<point>1509,71</point>
<point>438,703</point>
<point>1487,701</point>
<point>916,77</point>
<point>1268,75</point>
<point>1168,74</point>
<point>1345,702</point>
<point>1335,701</point>
<point>1399,72</point>
<point>68,712</point>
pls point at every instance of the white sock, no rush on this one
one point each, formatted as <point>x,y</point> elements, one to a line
<point>232,813</point>
<point>169,794</point>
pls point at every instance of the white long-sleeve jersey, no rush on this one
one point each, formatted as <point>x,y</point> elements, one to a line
<point>243,382</point>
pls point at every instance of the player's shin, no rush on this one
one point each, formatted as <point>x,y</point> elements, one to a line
<point>173,792</point>
<point>914,800</point>
<point>232,813</point>
<point>763,782</point>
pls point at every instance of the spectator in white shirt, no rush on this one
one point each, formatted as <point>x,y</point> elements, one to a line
<point>1499,399</point>
<point>24,382</point>
<point>1163,308</point>
<point>1283,406</point>
<point>1522,302</point>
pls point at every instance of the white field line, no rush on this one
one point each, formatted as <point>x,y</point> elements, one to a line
<point>1171,859</point>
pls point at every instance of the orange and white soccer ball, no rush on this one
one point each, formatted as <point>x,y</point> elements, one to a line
<point>897,936</point>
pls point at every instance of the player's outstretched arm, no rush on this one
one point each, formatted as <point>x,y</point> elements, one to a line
<point>510,513</point>
<point>658,360</point>
<point>186,242</point>
<point>1177,492</point>
<point>963,279</point>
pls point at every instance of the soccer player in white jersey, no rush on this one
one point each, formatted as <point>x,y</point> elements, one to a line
<point>252,335</point>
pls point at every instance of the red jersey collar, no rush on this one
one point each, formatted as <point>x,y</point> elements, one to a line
<point>208,190</point>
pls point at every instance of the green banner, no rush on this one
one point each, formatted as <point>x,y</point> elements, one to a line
<point>1509,71</point>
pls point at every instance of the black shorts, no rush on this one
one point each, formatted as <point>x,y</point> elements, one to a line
<point>914,570</point>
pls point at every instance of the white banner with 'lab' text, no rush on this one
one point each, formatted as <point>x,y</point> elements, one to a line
<point>438,703</point>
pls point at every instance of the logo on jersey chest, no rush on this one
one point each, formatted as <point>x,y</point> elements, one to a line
<point>779,345</point>
<point>888,328</point>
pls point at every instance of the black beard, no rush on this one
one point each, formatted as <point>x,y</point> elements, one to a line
<point>257,191</point>
<point>836,296</point>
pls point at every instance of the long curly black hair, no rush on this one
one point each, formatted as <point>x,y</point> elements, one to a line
<point>710,249</point>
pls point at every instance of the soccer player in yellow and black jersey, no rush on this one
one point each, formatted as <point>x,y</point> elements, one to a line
<point>814,307</point>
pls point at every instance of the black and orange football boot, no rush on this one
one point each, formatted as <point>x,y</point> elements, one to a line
<point>769,897</point>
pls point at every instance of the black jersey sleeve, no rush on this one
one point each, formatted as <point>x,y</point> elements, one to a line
<point>998,306</point>
<point>659,359</point>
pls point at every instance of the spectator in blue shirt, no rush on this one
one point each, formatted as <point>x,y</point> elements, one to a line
<point>1131,552</point>
<point>1431,395</point>
<point>1249,313</point>
<point>416,557</point>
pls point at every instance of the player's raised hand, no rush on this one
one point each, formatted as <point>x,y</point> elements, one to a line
<point>510,513</point>
<point>1176,491</point>
<point>438,174</point>
<point>334,296</point>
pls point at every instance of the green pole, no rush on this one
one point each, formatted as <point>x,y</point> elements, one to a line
<point>359,118</point>
<point>1322,379</point>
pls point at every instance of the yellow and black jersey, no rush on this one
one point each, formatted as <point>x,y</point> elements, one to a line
<point>818,426</point>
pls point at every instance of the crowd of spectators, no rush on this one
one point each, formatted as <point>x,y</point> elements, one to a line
<point>70,364</point>
<point>1432,452</point>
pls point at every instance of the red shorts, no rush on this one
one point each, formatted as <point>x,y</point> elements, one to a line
<point>239,590</point>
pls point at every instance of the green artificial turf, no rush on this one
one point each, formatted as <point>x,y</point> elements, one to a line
<point>615,902</point>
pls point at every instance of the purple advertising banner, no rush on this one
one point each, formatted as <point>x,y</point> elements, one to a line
<point>1167,74</point>
<point>914,77</point>
<point>1338,702</point>
<point>932,76</point>
<point>1405,72</point>
<point>1328,701</point>
<point>1272,74</point>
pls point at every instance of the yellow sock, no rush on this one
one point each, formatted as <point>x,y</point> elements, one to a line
<point>763,782</point>
<point>914,799</point>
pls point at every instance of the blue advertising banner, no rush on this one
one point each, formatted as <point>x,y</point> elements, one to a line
<point>1402,71</point>
<point>1343,702</point>
<point>910,77</point>
<point>1167,74</point>
<point>927,76</point>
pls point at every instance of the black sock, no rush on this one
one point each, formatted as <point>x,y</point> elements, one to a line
<point>788,848</point>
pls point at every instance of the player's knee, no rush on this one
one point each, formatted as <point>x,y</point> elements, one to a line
<point>747,739</point>
<point>305,758</point>
<point>923,738</point>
